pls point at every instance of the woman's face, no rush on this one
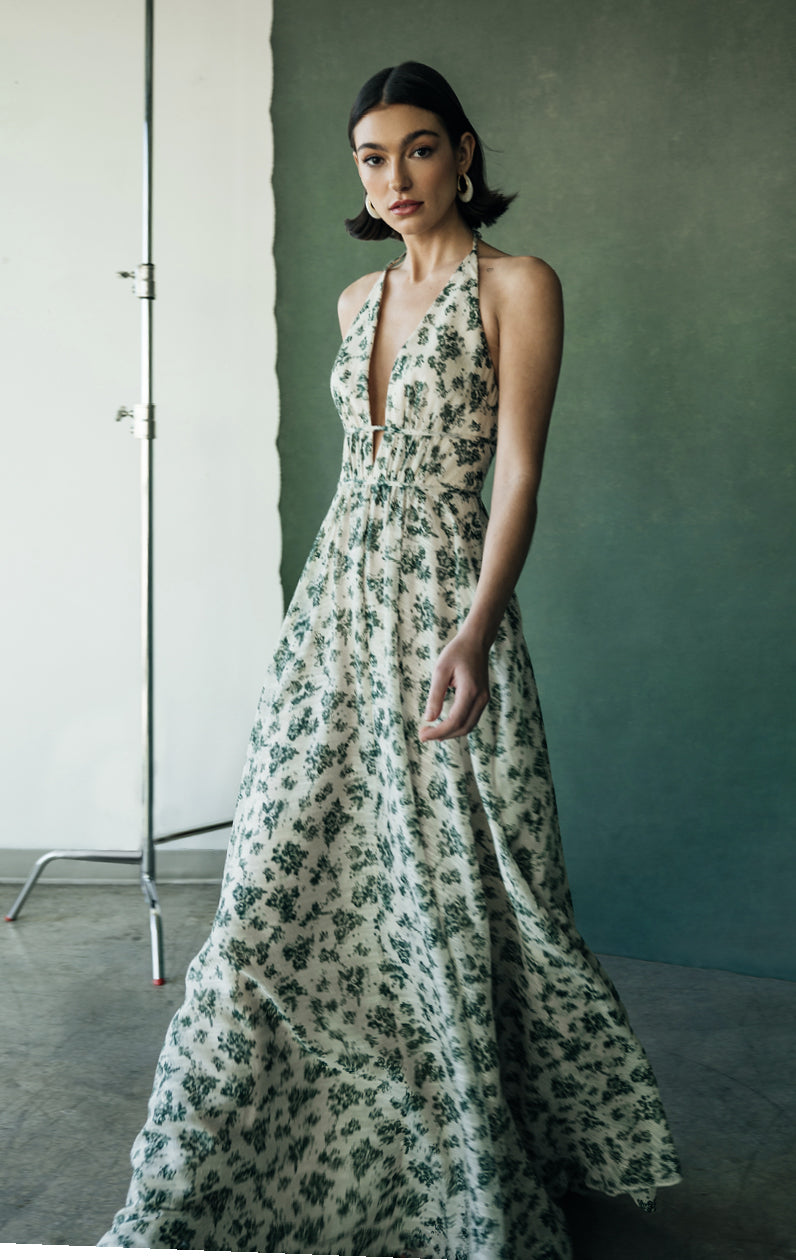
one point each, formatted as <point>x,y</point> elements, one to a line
<point>408,166</point>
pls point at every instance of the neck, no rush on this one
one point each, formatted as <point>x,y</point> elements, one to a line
<point>431,251</point>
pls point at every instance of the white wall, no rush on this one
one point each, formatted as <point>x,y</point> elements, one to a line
<point>71,103</point>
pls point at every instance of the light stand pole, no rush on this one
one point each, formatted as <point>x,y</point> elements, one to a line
<point>143,428</point>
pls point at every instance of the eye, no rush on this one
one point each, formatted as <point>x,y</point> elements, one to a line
<point>372,159</point>
<point>422,151</point>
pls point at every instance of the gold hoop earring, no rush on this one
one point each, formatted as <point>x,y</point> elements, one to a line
<point>369,208</point>
<point>466,193</point>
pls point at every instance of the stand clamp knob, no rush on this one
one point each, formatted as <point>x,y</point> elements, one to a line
<point>143,418</point>
<point>143,279</point>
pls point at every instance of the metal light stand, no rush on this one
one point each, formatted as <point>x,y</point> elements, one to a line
<point>143,427</point>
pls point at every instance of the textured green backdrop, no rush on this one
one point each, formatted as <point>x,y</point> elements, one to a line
<point>652,148</point>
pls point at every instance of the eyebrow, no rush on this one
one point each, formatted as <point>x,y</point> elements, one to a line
<point>413,135</point>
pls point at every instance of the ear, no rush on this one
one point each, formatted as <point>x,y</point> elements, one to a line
<point>464,152</point>
<point>359,168</point>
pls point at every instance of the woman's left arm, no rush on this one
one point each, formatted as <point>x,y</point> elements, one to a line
<point>529,310</point>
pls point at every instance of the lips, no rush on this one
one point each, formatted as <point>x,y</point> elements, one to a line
<point>404,207</point>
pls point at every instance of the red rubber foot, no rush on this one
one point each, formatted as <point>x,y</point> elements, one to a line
<point>9,919</point>
<point>158,981</point>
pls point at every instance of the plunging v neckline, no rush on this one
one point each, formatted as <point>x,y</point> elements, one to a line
<point>382,428</point>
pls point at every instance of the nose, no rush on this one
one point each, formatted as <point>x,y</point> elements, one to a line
<point>399,176</point>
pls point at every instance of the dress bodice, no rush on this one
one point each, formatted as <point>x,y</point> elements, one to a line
<point>440,422</point>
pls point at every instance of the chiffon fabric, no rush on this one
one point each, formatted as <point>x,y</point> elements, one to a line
<point>394,1040</point>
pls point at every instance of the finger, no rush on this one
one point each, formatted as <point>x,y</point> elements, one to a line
<point>443,730</point>
<point>462,718</point>
<point>440,682</point>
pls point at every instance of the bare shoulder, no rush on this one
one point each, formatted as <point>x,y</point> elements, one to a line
<point>517,281</point>
<point>352,299</point>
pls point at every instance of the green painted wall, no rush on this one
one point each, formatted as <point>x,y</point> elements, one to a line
<point>652,148</point>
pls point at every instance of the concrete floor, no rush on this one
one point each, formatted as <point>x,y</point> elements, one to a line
<point>82,1027</point>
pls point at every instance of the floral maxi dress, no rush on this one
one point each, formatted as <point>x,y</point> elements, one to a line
<point>395,1040</point>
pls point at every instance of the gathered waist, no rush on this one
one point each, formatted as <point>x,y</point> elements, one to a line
<point>441,462</point>
<point>435,488</point>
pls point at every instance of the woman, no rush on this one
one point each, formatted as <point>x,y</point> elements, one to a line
<point>395,1041</point>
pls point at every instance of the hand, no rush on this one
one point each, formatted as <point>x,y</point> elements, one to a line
<point>463,666</point>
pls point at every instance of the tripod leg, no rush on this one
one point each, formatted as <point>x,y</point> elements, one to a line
<point>155,929</point>
<point>28,887</point>
<point>71,855</point>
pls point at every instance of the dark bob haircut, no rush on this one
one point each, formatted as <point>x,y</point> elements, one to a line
<point>412,83</point>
